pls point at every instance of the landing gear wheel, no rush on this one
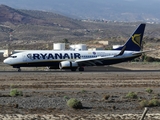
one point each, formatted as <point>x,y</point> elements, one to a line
<point>19,69</point>
<point>81,68</point>
<point>73,69</point>
<point>47,69</point>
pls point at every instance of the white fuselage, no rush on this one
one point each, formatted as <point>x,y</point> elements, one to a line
<point>53,58</point>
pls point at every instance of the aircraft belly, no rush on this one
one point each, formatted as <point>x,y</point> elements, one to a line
<point>37,64</point>
<point>115,61</point>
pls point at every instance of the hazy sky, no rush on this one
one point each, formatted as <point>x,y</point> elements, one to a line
<point>41,4</point>
<point>90,8</point>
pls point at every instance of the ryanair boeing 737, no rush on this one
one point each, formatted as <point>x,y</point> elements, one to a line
<point>74,60</point>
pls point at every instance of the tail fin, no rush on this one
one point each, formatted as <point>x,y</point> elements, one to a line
<point>134,42</point>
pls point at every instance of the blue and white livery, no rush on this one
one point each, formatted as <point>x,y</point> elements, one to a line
<point>78,59</point>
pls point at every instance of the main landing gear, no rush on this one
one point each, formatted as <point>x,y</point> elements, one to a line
<point>19,69</point>
<point>81,68</point>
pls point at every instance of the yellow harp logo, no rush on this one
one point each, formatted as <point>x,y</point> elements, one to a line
<point>136,39</point>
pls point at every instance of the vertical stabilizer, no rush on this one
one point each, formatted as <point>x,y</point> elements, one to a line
<point>135,41</point>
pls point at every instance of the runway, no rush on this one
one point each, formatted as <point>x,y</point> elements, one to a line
<point>45,91</point>
<point>122,67</point>
<point>87,69</point>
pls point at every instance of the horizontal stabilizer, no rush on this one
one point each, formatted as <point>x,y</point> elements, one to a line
<point>140,52</point>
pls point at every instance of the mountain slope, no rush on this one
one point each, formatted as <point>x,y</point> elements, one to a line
<point>35,17</point>
<point>32,29</point>
<point>124,10</point>
<point>14,16</point>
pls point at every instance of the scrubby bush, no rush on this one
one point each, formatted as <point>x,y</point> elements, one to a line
<point>148,90</point>
<point>132,95</point>
<point>150,103</point>
<point>150,59</point>
<point>15,92</point>
<point>156,96</point>
<point>74,103</point>
<point>83,91</point>
<point>144,103</point>
<point>66,97</point>
<point>154,102</point>
<point>106,97</point>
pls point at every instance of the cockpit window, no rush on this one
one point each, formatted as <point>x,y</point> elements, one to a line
<point>13,56</point>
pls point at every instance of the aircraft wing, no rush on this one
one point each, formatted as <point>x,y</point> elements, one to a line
<point>93,61</point>
<point>99,60</point>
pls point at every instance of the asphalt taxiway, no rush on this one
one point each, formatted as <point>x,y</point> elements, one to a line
<point>87,69</point>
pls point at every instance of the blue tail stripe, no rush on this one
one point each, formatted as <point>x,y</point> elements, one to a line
<point>134,42</point>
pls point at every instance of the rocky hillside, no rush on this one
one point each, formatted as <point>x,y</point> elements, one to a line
<point>15,16</point>
<point>31,29</point>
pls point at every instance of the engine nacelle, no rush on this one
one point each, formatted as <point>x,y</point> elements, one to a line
<point>68,65</point>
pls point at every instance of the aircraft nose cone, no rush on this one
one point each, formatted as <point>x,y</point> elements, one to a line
<point>6,61</point>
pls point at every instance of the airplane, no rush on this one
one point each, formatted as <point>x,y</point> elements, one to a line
<point>73,60</point>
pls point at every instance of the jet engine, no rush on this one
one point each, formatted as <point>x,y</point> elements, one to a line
<point>68,65</point>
